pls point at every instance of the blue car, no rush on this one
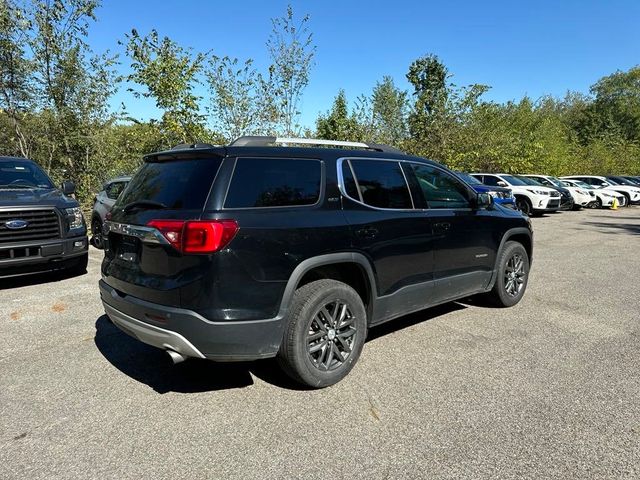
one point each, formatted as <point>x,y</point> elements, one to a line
<point>502,196</point>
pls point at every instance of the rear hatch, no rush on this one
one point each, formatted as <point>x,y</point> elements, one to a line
<point>140,258</point>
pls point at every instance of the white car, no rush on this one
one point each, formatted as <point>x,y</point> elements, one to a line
<point>581,197</point>
<point>603,197</point>
<point>531,199</point>
<point>631,192</point>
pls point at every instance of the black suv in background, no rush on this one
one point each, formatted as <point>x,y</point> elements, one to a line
<point>41,228</point>
<point>253,251</point>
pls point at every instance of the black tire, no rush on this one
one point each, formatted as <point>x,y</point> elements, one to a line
<point>598,203</point>
<point>502,295</point>
<point>524,205</point>
<point>317,322</point>
<point>96,231</point>
<point>627,198</point>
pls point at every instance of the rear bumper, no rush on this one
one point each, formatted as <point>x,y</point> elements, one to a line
<point>190,334</point>
<point>41,256</point>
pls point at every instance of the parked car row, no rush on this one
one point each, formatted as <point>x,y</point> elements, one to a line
<point>537,194</point>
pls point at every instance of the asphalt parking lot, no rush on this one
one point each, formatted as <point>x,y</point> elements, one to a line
<point>547,389</point>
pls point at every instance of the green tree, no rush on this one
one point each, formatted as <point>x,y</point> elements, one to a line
<point>239,102</point>
<point>338,124</point>
<point>617,103</point>
<point>71,87</point>
<point>389,105</point>
<point>439,110</point>
<point>292,51</point>
<point>169,74</point>
<point>16,93</point>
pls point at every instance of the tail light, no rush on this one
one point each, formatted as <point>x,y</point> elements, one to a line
<point>196,236</point>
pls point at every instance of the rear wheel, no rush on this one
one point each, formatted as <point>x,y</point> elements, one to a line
<point>598,202</point>
<point>325,334</point>
<point>96,230</point>
<point>513,276</point>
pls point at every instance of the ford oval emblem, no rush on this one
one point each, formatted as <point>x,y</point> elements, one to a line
<point>16,224</point>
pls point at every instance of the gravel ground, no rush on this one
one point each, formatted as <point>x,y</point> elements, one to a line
<point>547,389</point>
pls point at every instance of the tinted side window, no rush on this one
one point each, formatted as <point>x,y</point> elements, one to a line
<point>382,184</point>
<point>440,189</point>
<point>271,182</point>
<point>543,181</point>
<point>490,180</point>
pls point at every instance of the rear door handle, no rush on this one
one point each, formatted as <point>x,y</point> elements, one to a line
<point>441,227</point>
<point>367,232</point>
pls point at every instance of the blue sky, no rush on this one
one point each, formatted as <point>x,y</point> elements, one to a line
<point>516,47</point>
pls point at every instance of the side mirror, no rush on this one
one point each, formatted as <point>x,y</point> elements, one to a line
<point>68,187</point>
<point>484,200</point>
<point>501,183</point>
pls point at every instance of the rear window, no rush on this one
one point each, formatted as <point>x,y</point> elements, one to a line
<point>268,182</point>
<point>178,184</point>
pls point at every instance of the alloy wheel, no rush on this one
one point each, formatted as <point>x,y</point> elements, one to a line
<point>331,335</point>
<point>514,275</point>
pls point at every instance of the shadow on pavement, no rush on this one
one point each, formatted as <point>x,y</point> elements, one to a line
<point>629,228</point>
<point>153,367</point>
<point>412,319</point>
<point>29,279</point>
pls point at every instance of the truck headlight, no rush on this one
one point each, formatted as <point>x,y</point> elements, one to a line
<point>541,192</point>
<point>74,218</point>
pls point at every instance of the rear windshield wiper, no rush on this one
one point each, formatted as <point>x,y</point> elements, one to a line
<point>147,204</point>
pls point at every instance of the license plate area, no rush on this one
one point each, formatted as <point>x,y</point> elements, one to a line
<point>127,249</point>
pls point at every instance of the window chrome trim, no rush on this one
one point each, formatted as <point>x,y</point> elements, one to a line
<point>343,190</point>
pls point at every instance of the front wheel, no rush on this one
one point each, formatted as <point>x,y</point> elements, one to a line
<point>524,205</point>
<point>513,276</point>
<point>627,198</point>
<point>325,334</point>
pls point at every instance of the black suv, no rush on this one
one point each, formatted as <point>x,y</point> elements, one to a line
<point>41,228</point>
<point>253,251</point>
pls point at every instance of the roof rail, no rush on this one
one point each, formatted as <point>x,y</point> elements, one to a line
<point>263,141</point>
<point>184,146</point>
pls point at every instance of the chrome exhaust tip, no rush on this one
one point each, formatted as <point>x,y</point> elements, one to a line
<point>176,357</point>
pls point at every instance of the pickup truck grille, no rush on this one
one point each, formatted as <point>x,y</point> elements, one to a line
<point>41,225</point>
